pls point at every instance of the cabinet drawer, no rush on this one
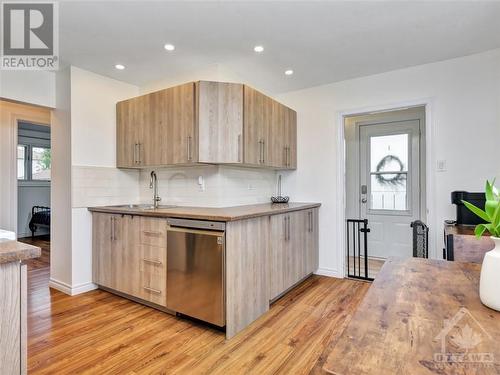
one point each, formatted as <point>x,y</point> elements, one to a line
<point>153,231</point>
<point>154,287</point>
<point>153,274</point>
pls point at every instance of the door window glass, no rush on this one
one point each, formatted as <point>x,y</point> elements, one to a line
<point>389,172</point>
<point>41,162</point>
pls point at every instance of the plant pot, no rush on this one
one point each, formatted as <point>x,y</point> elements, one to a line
<point>490,277</point>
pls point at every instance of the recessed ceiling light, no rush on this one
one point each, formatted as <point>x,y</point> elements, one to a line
<point>289,72</point>
<point>120,66</point>
<point>169,47</point>
<point>258,49</point>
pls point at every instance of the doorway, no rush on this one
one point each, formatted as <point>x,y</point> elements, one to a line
<point>385,185</point>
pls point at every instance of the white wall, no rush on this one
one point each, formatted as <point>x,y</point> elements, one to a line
<point>60,229</point>
<point>29,86</point>
<point>84,173</point>
<point>465,128</point>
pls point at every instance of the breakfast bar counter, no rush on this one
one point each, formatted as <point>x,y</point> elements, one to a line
<point>420,316</point>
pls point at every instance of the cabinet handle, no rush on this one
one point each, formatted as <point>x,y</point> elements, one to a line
<point>239,148</point>
<point>152,290</point>
<point>111,228</point>
<point>190,158</point>
<point>285,228</point>
<point>288,228</point>
<point>288,156</point>
<point>113,234</point>
<point>139,158</point>
<point>309,216</point>
<point>135,153</point>
<point>154,261</point>
<point>260,151</point>
<point>263,152</point>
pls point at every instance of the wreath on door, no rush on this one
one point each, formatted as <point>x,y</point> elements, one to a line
<point>398,178</point>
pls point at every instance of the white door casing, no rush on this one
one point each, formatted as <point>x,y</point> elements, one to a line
<point>389,176</point>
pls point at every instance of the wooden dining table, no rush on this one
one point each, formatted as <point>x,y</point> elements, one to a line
<point>420,316</point>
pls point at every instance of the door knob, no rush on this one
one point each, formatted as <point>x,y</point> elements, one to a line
<point>364,200</point>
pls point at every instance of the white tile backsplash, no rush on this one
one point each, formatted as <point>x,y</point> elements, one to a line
<point>223,186</point>
<point>101,186</point>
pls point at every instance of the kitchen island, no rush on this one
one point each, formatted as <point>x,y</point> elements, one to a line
<point>420,316</point>
<point>262,251</point>
<point>13,299</point>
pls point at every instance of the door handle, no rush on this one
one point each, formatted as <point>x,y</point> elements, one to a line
<point>364,200</point>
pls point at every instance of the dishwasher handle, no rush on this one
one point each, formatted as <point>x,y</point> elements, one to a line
<point>197,224</point>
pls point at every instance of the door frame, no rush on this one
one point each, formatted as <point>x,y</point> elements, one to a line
<point>428,213</point>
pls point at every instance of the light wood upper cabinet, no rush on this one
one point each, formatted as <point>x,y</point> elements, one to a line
<point>178,131</point>
<point>205,122</point>
<point>220,120</point>
<point>254,127</point>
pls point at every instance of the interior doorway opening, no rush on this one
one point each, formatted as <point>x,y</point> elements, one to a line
<point>385,186</point>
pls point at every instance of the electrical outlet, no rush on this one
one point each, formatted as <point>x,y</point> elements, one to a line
<point>441,166</point>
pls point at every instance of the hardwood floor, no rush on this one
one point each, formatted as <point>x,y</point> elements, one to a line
<point>99,333</point>
<point>374,266</point>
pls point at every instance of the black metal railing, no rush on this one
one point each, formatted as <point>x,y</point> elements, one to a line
<point>357,249</point>
<point>420,239</point>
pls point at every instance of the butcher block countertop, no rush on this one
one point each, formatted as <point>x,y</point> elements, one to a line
<point>400,328</point>
<point>11,251</point>
<point>211,213</point>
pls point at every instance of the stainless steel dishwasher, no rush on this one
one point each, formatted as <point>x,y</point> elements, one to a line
<point>196,269</point>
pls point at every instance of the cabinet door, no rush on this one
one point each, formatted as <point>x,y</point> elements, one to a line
<point>276,136</point>
<point>296,265</point>
<point>290,138</point>
<point>220,122</point>
<point>254,127</point>
<point>102,252</point>
<point>312,241</point>
<point>126,248</point>
<point>278,255</point>
<point>126,135</point>
<point>179,138</point>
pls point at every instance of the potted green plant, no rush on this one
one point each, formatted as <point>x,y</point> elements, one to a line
<point>490,271</point>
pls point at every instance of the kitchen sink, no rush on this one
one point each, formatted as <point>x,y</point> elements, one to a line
<point>143,206</point>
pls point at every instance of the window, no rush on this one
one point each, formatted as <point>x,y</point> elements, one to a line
<point>389,172</point>
<point>21,162</point>
<point>33,163</point>
<point>40,163</point>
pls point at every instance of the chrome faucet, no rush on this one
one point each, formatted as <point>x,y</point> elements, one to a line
<point>153,184</point>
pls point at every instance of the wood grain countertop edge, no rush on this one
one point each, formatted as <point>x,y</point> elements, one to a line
<point>13,251</point>
<point>191,213</point>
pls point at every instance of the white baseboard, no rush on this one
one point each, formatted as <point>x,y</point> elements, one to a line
<point>71,290</point>
<point>330,272</point>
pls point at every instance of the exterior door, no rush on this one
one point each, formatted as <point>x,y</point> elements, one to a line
<point>390,185</point>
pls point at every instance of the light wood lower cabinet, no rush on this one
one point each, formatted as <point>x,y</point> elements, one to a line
<point>265,256</point>
<point>129,255</point>
<point>293,250</point>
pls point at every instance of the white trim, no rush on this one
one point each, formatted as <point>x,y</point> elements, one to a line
<point>71,290</point>
<point>330,272</point>
<point>429,215</point>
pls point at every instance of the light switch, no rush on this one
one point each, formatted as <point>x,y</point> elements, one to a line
<point>441,166</point>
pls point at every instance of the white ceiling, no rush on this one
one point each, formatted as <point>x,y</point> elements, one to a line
<point>322,42</point>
